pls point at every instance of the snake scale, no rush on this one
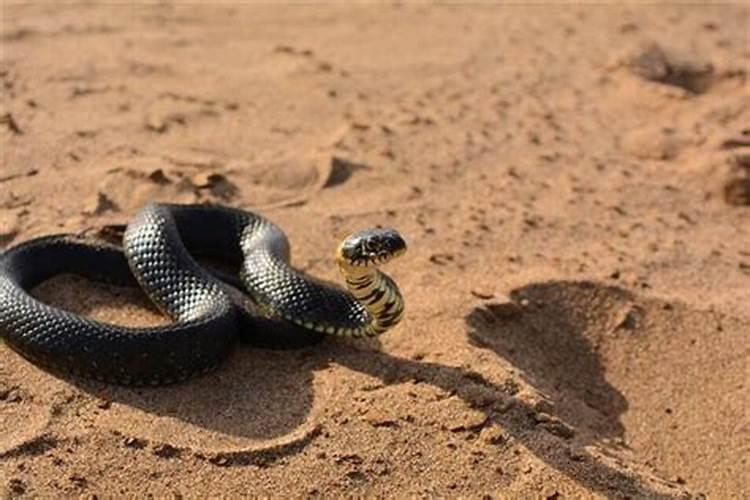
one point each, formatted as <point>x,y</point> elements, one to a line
<point>282,307</point>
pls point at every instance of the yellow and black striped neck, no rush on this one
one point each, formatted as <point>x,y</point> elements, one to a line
<point>379,295</point>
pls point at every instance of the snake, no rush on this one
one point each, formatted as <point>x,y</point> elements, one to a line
<point>163,250</point>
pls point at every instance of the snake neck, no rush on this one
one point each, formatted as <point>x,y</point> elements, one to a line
<point>379,295</point>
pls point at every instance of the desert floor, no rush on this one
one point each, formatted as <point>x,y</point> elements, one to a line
<point>573,183</point>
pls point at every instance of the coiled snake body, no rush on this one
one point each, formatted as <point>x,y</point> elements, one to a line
<point>286,308</point>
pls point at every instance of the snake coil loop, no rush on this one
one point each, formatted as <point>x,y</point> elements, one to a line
<point>283,308</point>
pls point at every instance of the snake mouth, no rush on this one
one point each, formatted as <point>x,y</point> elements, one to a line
<point>371,247</point>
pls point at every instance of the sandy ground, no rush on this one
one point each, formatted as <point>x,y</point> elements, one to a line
<point>573,184</point>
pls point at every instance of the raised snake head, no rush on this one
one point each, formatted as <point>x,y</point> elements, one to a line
<point>370,248</point>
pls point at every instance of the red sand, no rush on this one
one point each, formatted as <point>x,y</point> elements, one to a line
<point>573,185</point>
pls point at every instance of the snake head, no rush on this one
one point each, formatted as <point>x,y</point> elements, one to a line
<point>370,248</point>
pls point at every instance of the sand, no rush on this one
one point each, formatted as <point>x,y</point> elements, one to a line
<point>574,186</point>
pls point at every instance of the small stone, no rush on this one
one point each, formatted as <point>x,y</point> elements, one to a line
<point>737,192</point>
<point>492,435</point>
<point>165,451</point>
<point>554,425</point>
<point>205,179</point>
<point>577,454</point>
<point>132,442</point>
<point>159,177</point>
<point>17,486</point>
<point>629,319</point>
<point>99,204</point>
<point>685,70</point>
<point>378,418</point>
<point>78,480</point>
<point>156,124</point>
<point>356,475</point>
<point>505,310</point>
<point>360,126</point>
<point>216,183</point>
<point>350,458</point>
<point>341,169</point>
<point>468,421</point>
<point>441,259</point>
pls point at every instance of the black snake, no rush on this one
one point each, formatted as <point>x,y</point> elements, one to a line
<point>158,252</point>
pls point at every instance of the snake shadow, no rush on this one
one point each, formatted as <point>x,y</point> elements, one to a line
<point>550,344</point>
<point>259,394</point>
<point>256,394</point>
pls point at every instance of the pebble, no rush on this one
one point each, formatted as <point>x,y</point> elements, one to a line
<point>159,177</point>
<point>468,420</point>
<point>99,204</point>
<point>380,418</point>
<point>554,425</point>
<point>157,124</point>
<point>165,451</point>
<point>685,70</point>
<point>492,435</point>
<point>136,443</point>
<point>217,184</point>
<point>737,191</point>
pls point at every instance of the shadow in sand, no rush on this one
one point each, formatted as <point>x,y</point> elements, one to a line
<point>550,341</point>
<point>255,395</point>
<point>551,332</point>
<point>544,332</point>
